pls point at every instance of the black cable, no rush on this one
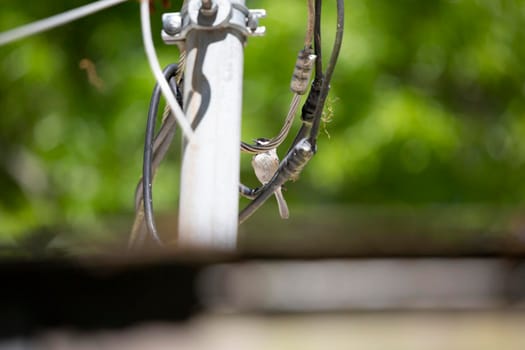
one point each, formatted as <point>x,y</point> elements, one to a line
<point>312,110</point>
<point>328,73</point>
<point>248,192</point>
<point>308,112</point>
<point>312,100</point>
<point>169,72</point>
<point>302,149</point>
<point>161,145</point>
<point>317,41</point>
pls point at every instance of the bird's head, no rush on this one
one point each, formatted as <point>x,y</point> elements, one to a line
<point>262,141</point>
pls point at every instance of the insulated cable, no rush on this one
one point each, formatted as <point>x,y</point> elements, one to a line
<point>154,152</point>
<point>55,21</point>
<point>304,145</point>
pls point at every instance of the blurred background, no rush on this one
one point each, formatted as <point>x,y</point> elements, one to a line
<point>422,140</point>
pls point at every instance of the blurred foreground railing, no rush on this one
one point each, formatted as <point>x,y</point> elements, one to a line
<point>38,295</point>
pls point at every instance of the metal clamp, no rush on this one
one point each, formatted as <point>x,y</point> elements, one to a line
<point>209,15</point>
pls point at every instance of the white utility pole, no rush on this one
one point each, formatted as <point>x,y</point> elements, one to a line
<point>214,34</point>
<point>209,196</point>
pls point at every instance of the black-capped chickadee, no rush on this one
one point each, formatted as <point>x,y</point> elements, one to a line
<point>265,165</point>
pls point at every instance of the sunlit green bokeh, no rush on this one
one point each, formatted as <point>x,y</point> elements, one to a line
<point>427,106</point>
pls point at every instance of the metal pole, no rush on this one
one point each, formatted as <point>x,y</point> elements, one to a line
<point>208,211</point>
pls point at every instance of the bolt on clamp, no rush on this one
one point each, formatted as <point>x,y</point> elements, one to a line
<point>209,15</point>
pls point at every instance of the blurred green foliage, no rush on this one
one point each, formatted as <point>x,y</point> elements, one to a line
<point>427,106</point>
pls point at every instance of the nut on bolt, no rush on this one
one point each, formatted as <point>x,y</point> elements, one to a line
<point>252,22</point>
<point>208,7</point>
<point>172,23</point>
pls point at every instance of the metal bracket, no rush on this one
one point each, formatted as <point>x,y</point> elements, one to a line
<point>223,14</point>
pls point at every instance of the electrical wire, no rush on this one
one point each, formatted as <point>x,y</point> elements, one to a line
<point>311,24</point>
<point>146,166</point>
<point>55,21</point>
<point>304,145</point>
<point>277,140</point>
<point>299,83</point>
<point>328,73</point>
<point>160,147</point>
<point>154,152</point>
<point>157,72</point>
<point>310,105</point>
<point>313,108</point>
<point>317,40</point>
<point>248,192</point>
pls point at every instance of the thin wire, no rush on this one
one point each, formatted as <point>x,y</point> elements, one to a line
<point>311,24</point>
<point>313,95</point>
<point>55,21</point>
<point>302,149</point>
<point>277,140</point>
<point>308,112</point>
<point>250,193</point>
<point>157,72</point>
<point>311,29</point>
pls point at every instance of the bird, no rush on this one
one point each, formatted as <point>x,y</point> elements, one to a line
<point>265,165</point>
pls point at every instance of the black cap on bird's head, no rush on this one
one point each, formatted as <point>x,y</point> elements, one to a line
<point>262,141</point>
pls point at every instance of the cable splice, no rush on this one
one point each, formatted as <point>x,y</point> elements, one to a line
<point>302,72</point>
<point>304,145</point>
<point>299,84</point>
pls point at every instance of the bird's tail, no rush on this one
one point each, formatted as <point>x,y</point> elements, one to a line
<point>281,203</point>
